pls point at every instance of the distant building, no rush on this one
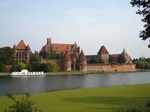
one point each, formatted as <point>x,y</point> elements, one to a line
<point>103,57</point>
<point>73,58</point>
<point>58,48</point>
<point>105,62</point>
<point>22,52</point>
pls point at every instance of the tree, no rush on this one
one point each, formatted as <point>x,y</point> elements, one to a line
<point>2,67</point>
<point>50,67</point>
<point>23,104</point>
<point>35,62</point>
<point>19,66</point>
<point>144,10</point>
<point>7,55</point>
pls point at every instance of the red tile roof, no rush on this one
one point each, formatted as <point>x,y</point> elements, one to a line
<point>22,46</point>
<point>61,48</point>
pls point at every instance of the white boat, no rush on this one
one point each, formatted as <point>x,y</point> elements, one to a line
<point>25,73</point>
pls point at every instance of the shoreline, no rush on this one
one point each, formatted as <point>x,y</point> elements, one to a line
<point>82,73</point>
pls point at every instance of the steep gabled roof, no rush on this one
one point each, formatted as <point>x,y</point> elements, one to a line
<point>22,46</point>
<point>103,50</point>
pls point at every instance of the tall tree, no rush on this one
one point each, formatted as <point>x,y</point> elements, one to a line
<point>144,10</point>
<point>6,55</point>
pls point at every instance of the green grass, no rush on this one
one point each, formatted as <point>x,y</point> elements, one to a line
<point>106,99</point>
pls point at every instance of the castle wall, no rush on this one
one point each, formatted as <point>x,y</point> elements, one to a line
<point>111,68</point>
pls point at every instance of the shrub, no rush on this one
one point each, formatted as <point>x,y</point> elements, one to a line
<point>23,104</point>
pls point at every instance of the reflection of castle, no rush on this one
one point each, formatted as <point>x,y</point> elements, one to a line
<point>74,58</point>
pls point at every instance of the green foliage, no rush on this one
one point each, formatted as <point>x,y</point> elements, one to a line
<point>130,109</point>
<point>7,55</point>
<point>54,55</point>
<point>144,10</point>
<point>50,67</point>
<point>19,66</point>
<point>36,65</point>
<point>2,67</point>
<point>144,108</point>
<point>142,63</point>
<point>35,58</point>
<point>23,104</point>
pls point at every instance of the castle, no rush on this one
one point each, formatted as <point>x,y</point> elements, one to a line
<point>74,58</point>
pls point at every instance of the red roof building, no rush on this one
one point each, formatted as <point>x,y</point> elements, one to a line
<point>22,52</point>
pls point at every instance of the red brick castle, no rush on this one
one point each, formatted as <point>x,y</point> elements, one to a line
<point>75,59</point>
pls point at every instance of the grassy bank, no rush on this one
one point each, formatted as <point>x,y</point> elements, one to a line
<point>106,99</point>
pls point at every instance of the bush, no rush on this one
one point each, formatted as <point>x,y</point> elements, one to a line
<point>23,104</point>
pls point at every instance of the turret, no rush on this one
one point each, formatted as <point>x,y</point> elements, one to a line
<point>48,47</point>
<point>103,55</point>
<point>83,62</point>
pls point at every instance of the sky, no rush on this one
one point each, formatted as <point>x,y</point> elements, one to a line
<point>89,23</point>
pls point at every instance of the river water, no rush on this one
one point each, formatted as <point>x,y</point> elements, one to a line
<point>61,82</point>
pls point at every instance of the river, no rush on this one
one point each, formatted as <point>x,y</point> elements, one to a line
<point>61,82</point>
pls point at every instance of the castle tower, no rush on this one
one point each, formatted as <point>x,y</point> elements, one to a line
<point>49,45</point>
<point>22,52</point>
<point>125,58</point>
<point>49,41</point>
<point>67,62</point>
<point>103,55</point>
<point>83,62</point>
<point>28,54</point>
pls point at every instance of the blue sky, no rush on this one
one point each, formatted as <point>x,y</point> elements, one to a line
<point>91,23</point>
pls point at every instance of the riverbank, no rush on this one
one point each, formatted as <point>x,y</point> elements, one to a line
<point>106,99</point>
<point>76,73</point>
<point>84,73</point>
